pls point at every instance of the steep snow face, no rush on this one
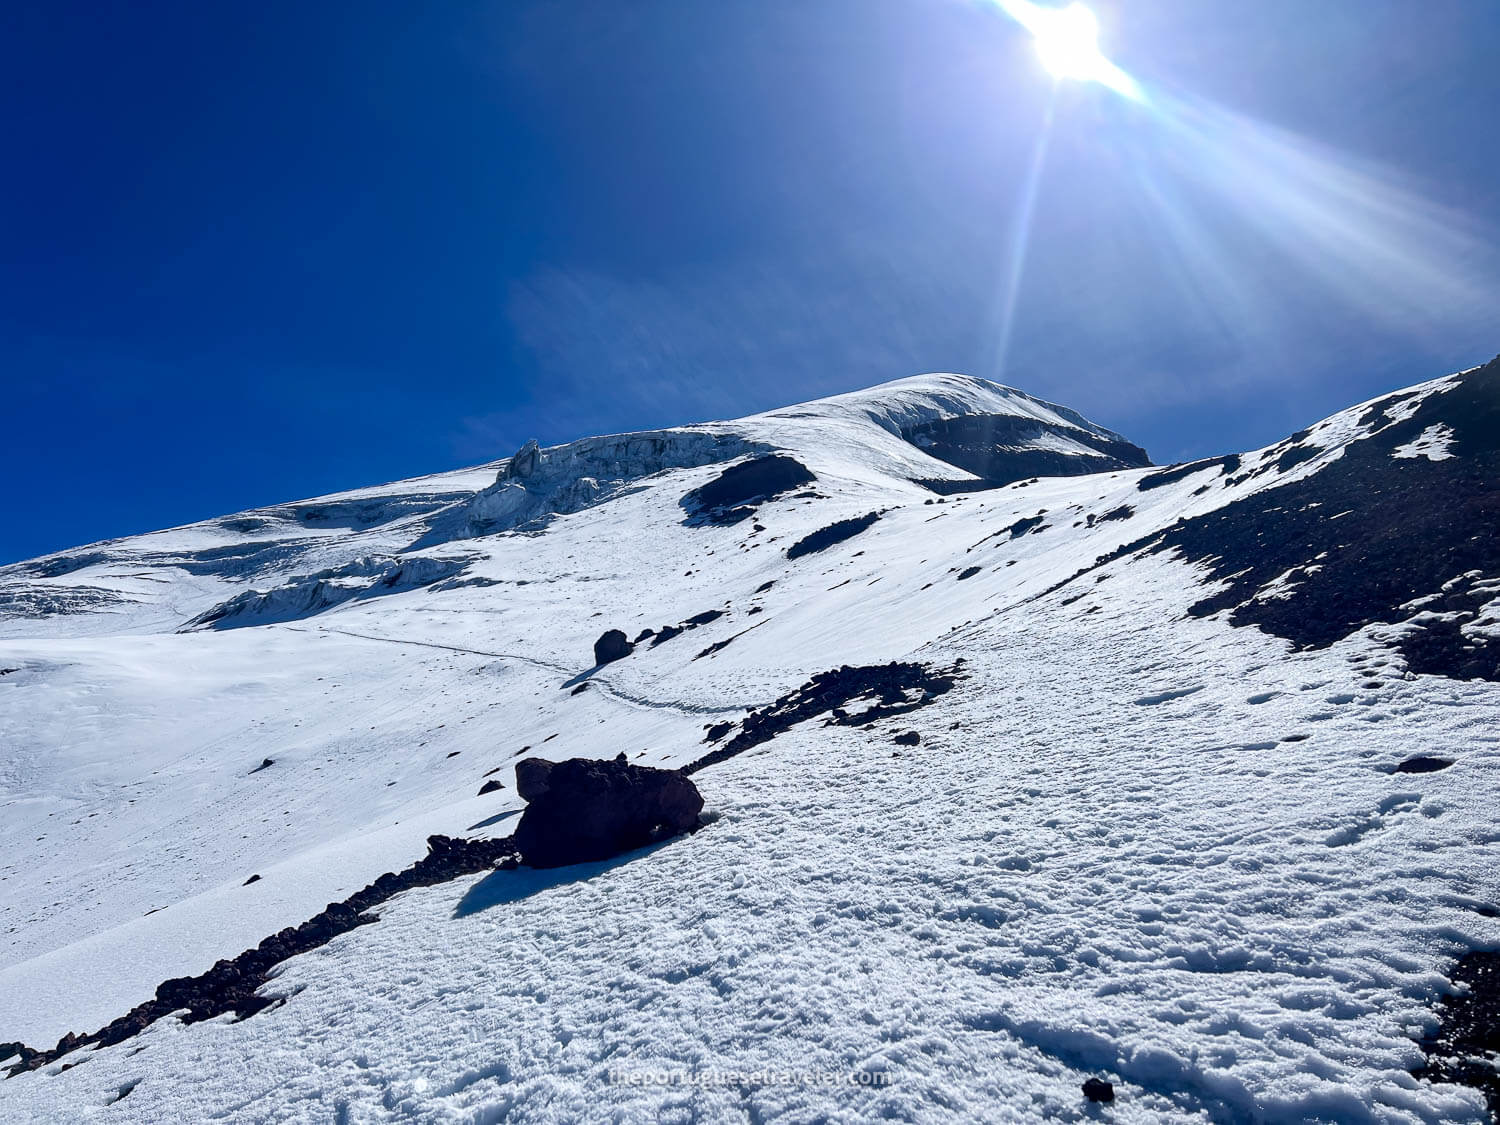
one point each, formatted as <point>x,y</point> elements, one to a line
<point>1149,834</point>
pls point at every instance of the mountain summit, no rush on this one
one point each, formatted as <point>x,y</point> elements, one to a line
<point>1028,768</point>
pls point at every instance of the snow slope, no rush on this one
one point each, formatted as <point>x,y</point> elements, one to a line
<point>1155,833</point>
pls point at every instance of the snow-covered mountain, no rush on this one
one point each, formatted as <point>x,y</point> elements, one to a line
<point>1026,762</point>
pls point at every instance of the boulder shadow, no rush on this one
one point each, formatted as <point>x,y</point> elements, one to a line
<point>582,677</point>
<point>496,819</point>
<point>501,887</point>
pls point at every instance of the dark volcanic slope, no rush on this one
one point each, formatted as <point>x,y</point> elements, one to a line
<point>1000,448</point>
<point>1371,537</point>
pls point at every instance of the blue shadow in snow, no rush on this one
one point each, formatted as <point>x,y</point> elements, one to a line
<point>496,819</point>
<point>582,677</point>
<point>501,887</point>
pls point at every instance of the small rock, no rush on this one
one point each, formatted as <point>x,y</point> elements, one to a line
<point>490,786</point>
<point>666,633</point>
<point>908,738</point>
<point>614,645</point>
<point>252,879</point>
<point>1098,1090</point>
<point>1424,763</point>
<point>265,764</point>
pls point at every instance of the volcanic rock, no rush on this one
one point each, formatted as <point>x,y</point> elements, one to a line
<point>591,810</point>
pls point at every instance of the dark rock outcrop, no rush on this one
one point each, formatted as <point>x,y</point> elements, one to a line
<point>591,810</point>
<point>831,535</point>
<point>1002,448</point>
<point>897,688</point>
<point>1412,542</point>
<point>731,496</point>
<point>614,645</point>
<point>1173,473</point>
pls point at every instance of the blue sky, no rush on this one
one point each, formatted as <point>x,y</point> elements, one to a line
<point>252,253</point>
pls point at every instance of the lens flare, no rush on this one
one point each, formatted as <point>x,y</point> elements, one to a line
<point>1247,223</point>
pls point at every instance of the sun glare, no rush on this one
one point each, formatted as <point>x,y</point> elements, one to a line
<point>1067,42</point>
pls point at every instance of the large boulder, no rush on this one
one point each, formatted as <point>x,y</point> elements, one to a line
<point>589,810</point>
<point>614,645</point>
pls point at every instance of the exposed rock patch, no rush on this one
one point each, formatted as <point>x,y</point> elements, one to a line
<point>831,535</point>
<point>1002,448</point>
<point>1367,538</point>
<point>1468,1036</point>
<point>1098,1090</point>
<point>897,688</point>
<point>733,495</point>
<point>1174,473</point>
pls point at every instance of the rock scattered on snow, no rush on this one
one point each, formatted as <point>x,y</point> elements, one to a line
<point>491,786</point>
<point>614,645</point>
<point>1424,763</point>
<point>898,688</point>
<point>1098,1090</point>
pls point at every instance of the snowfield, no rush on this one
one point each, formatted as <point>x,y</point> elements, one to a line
<point>1156,834</point>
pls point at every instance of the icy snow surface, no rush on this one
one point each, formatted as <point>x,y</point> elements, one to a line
<point>1133,844</point>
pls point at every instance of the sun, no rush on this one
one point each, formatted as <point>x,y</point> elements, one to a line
<point>1067,42</point>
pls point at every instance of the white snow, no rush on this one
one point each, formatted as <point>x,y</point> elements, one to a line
<point>1432,443</point>
<point>1104,857</point>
